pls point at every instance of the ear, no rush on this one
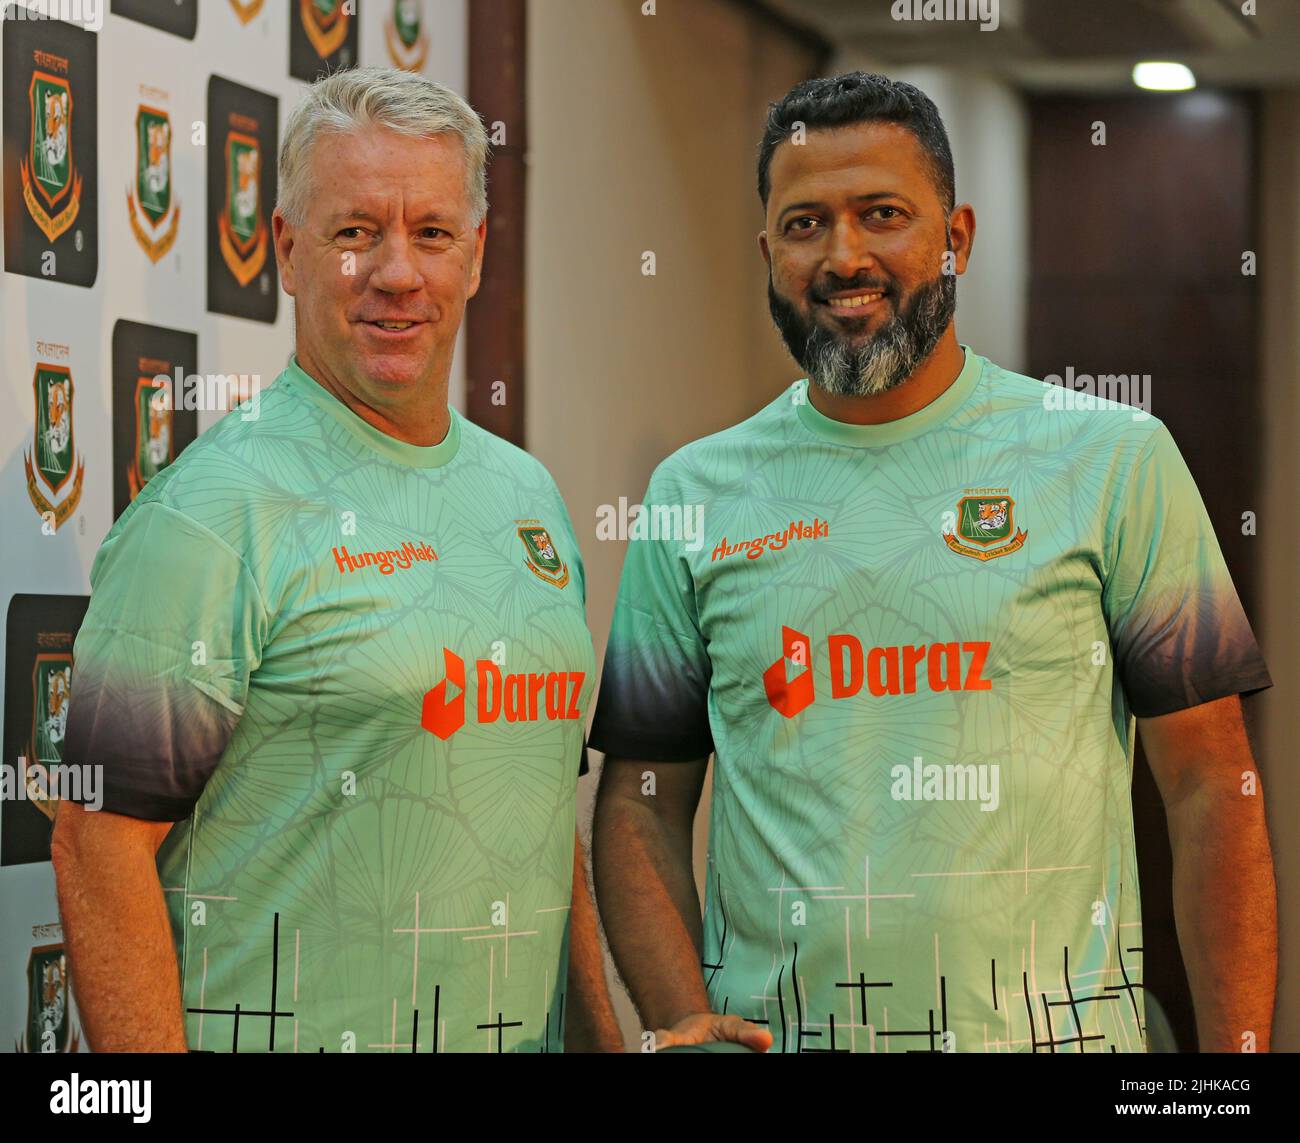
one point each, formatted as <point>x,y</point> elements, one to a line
<point>962,226</point>
<point>476,271</point>
<point>282,235</point>
<point>762,245</point>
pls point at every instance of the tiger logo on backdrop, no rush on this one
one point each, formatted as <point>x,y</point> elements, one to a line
<point>153,213</point>
<point>54,471</point>
<point>51,181</point>
<point>241,227</point>
<point>407,42</point>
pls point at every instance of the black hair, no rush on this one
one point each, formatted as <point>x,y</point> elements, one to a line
<point>859,97</point>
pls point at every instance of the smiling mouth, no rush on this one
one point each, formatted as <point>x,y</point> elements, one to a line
<point>393,326</point>
<point>857,301</point>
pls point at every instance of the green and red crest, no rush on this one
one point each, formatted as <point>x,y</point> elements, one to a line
<point>406,21</point>
<point>50,152</point>
<point>326,25</point>
<point>243,183</point>
<point>51,690</point>
<point>54,441</point>
<point>541,556</point>
<point>404,35</point>
<point>48,1018</point>
<point>154,447</point>
<point>985,520</point>
<point>153,161</point>
<point>986,526</point>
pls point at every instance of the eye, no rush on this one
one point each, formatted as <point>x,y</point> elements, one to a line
<point>804,222</point>
<point>894,212</point>
<point>433,232</point>
<point>350,232</point>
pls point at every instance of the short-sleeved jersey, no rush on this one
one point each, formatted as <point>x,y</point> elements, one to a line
<point>358,669</point>
<point>915,649</point>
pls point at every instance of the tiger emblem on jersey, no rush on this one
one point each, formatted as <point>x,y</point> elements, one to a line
<point>985,521</point>
<point>992,516</point>
<point>540,556</point>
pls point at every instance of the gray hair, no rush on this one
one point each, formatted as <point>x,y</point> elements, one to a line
<point>403,101</point>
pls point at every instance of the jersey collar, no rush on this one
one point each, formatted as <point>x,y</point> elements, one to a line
<point>873,436</point>
<point>415,456</point>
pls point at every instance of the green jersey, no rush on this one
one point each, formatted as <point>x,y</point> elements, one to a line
<point>358,669</point>
<point>916,650</point>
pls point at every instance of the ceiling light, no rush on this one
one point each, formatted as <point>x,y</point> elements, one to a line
<point>1160,76</point>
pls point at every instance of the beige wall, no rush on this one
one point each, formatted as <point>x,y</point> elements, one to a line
<point>643,136</point>
<point>1279,726</point>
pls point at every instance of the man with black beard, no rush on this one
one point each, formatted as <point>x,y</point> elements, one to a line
<point>930,606</point>
<point>838,363</point>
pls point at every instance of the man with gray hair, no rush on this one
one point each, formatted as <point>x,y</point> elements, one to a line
<point>340,749</point>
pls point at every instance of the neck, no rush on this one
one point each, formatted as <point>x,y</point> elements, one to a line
<point>929,381</point>
<point>419,416</point>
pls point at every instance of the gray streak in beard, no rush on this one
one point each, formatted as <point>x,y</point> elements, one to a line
<point>890,357</point>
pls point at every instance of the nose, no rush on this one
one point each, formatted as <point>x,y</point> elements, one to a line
<point>395,271</point>
<point>848,253</point>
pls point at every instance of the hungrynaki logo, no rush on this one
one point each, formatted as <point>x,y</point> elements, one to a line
<point>386,560</point>
<point>884,671</point>
<point>520,697</point>
<point>774,541</point>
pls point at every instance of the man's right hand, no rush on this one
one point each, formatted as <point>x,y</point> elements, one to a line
<point>710,1027</point>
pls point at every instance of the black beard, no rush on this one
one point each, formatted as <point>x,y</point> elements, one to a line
<point>892,355</point>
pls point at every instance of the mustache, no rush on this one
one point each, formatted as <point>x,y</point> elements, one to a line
<point>830,284</point>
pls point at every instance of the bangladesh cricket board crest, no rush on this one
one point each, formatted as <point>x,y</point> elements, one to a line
<point>406,41</point>
<point>242,231</point>
<point>53,467</point>
<point>326,24</point>
<point>154,216</point>
<point>153,448</point>
<point>986,526</point>
<point>51,181</point>
<point>540,556</point>
<point>51,690</point>
<point>49,1024</point>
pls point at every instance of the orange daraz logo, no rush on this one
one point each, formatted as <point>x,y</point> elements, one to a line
<point>519,697</point>
<point>884,670</point>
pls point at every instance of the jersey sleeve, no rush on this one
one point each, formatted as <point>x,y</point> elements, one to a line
<point>654,689</point>
<point>161,663</point>
<point>1179,634</point>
